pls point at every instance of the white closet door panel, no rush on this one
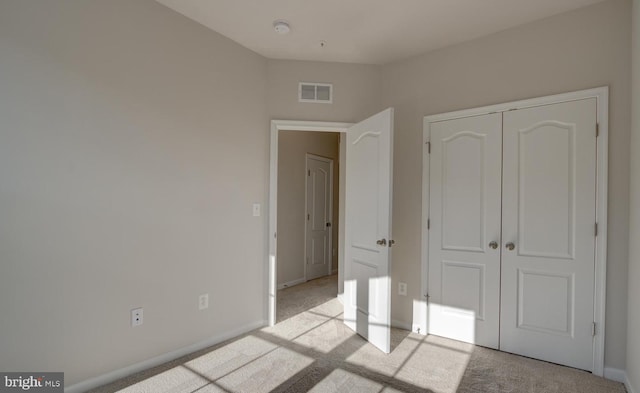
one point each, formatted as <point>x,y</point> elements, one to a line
<point>464,272</point>
<point>548,214</point>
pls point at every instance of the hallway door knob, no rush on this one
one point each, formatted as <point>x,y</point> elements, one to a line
<point>493,244</point>
<point>510,246</point>
<point>382,242</point>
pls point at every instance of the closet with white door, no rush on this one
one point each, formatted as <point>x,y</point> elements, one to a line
<point>511,246</point>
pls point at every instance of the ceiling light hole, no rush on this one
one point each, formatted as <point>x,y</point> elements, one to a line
<point>323,44</point>
<point>281,26</point>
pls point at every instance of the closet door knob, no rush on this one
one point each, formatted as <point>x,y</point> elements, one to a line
<point>510,246</point>
<point>493,244</point>
<point>382,242</point>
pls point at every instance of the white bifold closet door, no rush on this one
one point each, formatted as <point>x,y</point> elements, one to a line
<point>524,182</point>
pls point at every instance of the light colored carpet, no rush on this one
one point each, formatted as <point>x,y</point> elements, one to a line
<point>312,351</point>
<point>300,298</point>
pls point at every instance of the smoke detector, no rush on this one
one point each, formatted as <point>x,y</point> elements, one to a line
<point>281,27</point>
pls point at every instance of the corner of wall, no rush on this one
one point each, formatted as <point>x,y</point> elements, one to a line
<point>633,312</point>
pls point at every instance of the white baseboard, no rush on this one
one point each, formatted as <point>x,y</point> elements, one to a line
<point>615,374</point>
<point>400,325</point>
<point>161,359</point>
<point>341,298</point>
<point>291,283</point>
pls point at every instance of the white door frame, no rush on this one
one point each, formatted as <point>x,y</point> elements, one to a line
<point>602,96</point>
<point>306,207</point>
<point>271,257</point>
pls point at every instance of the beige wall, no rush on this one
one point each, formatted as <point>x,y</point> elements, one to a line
<point>292,149</point>
<point>633,339</point>
<point>133,143</point>
<point>573,51</point>
<point>356,95</point>
<point>356,90</point>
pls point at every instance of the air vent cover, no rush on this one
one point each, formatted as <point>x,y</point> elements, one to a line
<point>315,92</point>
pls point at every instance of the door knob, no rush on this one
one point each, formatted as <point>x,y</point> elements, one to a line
<point>391,242</point>
<point>493,244</point>
<point>382,242</point>
<point>510,246</point>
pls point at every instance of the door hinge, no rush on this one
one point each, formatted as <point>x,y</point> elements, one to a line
<point>309,172</point>
<point>596,230</point>
<point>597,129</point>
<point>428,223</point>
<point>428,147</point>
<point>593,329</point>
<point>426,296</point>
<point>308,216</point>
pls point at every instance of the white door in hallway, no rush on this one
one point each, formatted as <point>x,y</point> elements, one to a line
<point>367,282</point>
<point>548,231</point>
<point>464,235</point>
<point>318,227</point>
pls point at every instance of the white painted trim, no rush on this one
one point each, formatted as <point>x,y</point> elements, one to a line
<point>160,359</point>
<point>615,374</point>
<point>528,103</point>
<point>400,324</point>
<point>306,208</point>
<point>421,318</point>
<point>292,283</point>
<point>618,375</point>
<point>341,298</point>
<point>602,96</point>
<point>271,258</point>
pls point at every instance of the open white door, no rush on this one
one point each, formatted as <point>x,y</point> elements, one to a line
<point>367,284</point>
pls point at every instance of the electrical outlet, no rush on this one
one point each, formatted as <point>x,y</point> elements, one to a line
<point>256,210</point>
<point>136,317</point>
<point>402,288</point>
<point>203,301</point>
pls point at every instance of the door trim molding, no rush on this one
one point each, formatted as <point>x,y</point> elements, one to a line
<point>272,241</point>
<point>601,94</point>
<point>306,207</point>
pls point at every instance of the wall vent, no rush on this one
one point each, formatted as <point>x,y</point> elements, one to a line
<point>315,92</point>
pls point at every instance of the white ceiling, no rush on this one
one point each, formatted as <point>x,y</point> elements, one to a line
<point>363,31</point>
